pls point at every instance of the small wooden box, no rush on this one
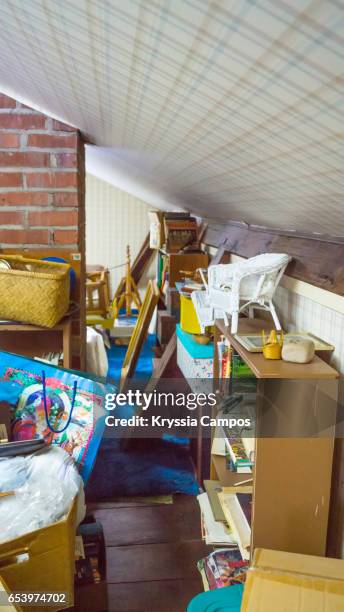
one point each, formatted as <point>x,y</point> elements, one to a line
<point>179,233</point>
<point>179,263</point>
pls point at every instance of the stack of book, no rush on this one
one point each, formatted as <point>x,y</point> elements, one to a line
<point>223,567</point>
<point>237,510</point>
<point>214,532</point>
<point>240,452</point>
<point>226,516</point>
<point>236,444</point>
<point>124,326</point>
<point>226,523</point>
<point>237,450</point>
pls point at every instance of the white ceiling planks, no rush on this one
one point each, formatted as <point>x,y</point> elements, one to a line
<point>230,108</point>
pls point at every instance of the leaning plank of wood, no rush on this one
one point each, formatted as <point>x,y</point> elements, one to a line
<point>158,373</point>
<point>140,332</point>
<point>142,260</point>
<point>163,363</point>
<point>314,261</point>
<point>222,256</point>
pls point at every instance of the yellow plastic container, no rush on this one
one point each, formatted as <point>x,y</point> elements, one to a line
<point>49,566</point>
<point>272,348</point>
<point>188,317</point>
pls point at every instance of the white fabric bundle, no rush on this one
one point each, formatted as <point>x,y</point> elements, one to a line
<point>96,355</point>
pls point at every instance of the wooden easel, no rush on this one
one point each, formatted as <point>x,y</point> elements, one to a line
<point>126,292</point>
<point>137,269</point>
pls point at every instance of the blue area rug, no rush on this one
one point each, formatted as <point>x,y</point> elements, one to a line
<point>162,469</point>
<point>144,367</point>
<point>157,467</point>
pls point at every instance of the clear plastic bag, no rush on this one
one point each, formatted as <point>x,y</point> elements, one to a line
<point>44,485</point>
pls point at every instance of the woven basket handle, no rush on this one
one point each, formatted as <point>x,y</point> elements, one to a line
<point>57,431</point>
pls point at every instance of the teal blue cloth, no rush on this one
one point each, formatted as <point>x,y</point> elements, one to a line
<point>227,599</point>
<point>197,351</point>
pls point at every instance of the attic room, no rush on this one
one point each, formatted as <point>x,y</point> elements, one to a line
<point>171,305</point>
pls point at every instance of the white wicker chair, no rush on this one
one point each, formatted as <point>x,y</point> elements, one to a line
<point>232,288</point>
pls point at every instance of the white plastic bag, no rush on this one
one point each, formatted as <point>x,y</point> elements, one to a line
<point>45,485</point>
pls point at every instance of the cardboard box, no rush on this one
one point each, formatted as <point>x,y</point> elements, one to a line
<point>3,433</point>
<point>291,582</point>
<point>6,607</point>
<point>5,422</point>
<point>179,263</point>
<point>42,561</point>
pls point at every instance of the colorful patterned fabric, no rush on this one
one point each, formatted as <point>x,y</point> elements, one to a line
<point>21,387</point>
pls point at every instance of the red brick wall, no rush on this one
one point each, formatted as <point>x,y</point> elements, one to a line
<point>42,188</point>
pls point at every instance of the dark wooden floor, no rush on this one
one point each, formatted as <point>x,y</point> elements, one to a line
<point>152,551</point>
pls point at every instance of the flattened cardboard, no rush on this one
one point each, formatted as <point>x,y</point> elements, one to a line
<point>291,582</point>
<point>213,487</point>
<point>5,422</point>
<point>3,433</point>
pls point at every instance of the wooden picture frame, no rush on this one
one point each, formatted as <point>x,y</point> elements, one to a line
<point>140,332</point>
<point>164,361</point>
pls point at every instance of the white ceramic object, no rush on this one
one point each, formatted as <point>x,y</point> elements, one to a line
<point>298,351</point>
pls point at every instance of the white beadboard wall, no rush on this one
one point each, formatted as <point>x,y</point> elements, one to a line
<point>114,218</point>
<point>298,312</point>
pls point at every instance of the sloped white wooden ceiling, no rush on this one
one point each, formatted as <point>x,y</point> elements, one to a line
<point>230,108</point>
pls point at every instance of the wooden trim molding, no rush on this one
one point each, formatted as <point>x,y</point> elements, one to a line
<point>317,262</point>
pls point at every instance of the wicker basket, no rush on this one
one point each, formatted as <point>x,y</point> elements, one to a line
<point>34,291</point>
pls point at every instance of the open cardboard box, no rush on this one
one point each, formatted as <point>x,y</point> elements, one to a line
<point>42,561</point>
<point>285,582</point>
